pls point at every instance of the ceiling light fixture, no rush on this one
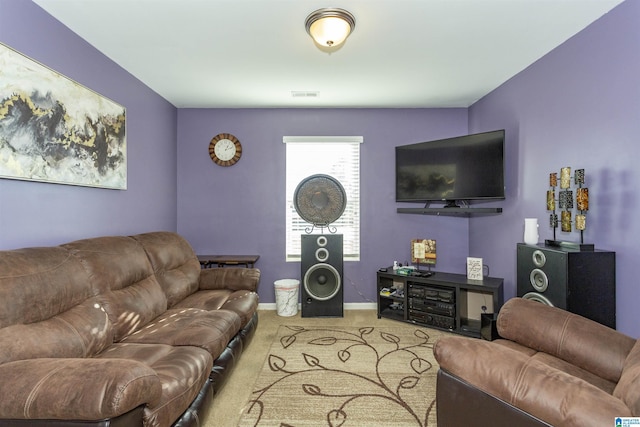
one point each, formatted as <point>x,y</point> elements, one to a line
<point>330,27</point>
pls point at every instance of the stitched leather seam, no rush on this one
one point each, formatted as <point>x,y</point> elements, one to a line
<point>563,336</point>
<point>185,392</point>
<point>34,391</point>
<point>53,268</point>
<point>75,331</point>
<point>118,397</point>
<point>519,381</point>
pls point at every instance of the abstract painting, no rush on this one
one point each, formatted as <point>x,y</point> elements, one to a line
<point>53,129</point>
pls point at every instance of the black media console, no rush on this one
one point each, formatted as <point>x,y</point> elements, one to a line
<point>442,300</point>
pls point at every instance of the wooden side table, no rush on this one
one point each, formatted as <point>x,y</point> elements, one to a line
<point>209,261</point>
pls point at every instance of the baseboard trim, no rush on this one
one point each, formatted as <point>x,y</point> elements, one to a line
<point>346,305</point>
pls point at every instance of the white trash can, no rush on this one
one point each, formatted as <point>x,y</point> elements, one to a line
<point>287,296</point>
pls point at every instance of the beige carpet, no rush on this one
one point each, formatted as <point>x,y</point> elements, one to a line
<point>237,392</point>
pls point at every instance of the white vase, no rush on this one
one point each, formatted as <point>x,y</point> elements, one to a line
<point>531,231</point>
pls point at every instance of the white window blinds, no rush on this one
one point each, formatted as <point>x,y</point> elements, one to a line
<point>339,157</point>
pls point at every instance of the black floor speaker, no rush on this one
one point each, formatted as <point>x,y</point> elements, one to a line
<point>580,282</point>
<point>321,264</point>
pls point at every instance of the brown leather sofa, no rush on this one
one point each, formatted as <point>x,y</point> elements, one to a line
<point>548,368</point>
<point>118,331</point>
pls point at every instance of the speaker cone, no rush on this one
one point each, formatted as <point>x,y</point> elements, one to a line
<point>539,280</point>
<point>534,296</point>
<point>322,255</point>
<point>322,282</point>
<point>539,258</point>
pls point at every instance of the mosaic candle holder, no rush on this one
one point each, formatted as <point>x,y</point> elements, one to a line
<point>565,177</point>
<point>565,221</point>
<point>582,199</point>
<point>551,200</point>
<point>566,199</point>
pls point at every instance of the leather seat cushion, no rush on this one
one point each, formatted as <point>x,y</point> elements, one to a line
<point>561,365</point>
<point>242,302</point>
<point>82,331</point>
<point>210,330</point>
<point>182,372</point>
<point>628,388</point>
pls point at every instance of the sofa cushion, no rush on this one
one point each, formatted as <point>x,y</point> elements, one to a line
<point>210,330</point>
<point>182,372</point>
<point>242,302</point>
<point>515,346</point>
<point>76,389</point>
<point>118,266</point>
<point>39,283</point>
<point>82,331</point>
<point>174,263</point>
<point>519,380</point>
<point>133,307</point>
<point>575,371</point>
<point>628,388</point>
<point>111,262</point>
<point>575,339</point>
<point>559,364</point>
<point>230,278</point>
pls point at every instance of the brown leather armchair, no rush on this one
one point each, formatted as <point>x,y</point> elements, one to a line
<point>548,368</point>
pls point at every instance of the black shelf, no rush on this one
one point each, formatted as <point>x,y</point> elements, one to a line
<point>392,314</point>
<point>464,212</point>
<point>464,300</point>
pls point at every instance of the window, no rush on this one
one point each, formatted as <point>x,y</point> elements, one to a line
<point>339,157</point>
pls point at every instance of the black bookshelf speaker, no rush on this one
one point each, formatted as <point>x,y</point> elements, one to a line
<point>582,282</point>
<point>321,264</point>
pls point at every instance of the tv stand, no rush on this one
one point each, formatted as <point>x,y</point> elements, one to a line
<point>443,300</point>
<point>453,204</point>
<point>450,204</point>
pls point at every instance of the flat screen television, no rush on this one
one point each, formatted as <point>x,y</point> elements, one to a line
<point>452,170</point>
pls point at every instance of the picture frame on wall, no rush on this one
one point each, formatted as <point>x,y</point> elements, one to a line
<point>53,129</point>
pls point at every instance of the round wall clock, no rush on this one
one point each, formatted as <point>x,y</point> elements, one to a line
<point>225,149</point>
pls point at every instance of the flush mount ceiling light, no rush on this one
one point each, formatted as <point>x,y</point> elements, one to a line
<point>330,27</point>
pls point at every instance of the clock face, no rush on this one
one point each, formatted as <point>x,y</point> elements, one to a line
<point>225,149</point>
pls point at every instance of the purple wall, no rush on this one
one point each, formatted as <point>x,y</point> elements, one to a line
<point>241,209</point>
<point>578,106</point>
<point>33,213</point>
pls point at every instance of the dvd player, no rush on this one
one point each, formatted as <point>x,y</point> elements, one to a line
<point>431,306</point>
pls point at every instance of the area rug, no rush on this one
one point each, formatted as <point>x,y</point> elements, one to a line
<point>337,376</point>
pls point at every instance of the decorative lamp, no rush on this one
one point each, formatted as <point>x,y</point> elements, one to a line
<point>330,27</point>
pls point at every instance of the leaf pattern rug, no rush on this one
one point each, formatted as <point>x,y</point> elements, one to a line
<point>341,377</point>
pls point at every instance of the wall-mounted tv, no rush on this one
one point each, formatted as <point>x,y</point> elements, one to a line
<point>459,169</point>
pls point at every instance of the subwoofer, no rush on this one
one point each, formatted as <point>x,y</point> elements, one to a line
<point>582,282</point>
<point>321,264</point>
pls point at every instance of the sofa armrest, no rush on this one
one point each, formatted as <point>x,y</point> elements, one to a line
<point>528,384</point>
<point>570,337</point>
<point>75,389</point>
<point>231,278</point>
